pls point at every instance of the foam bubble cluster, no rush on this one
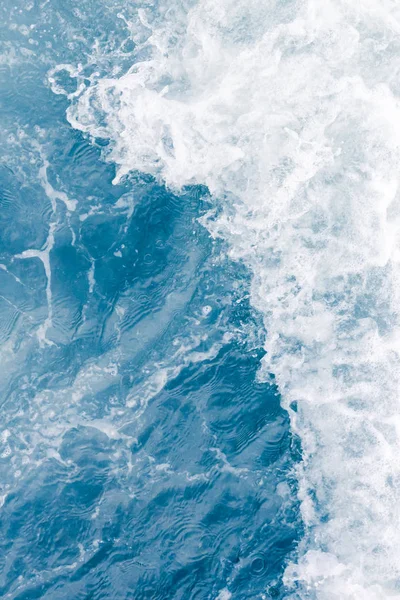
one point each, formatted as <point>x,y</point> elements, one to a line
<point>289,112</point>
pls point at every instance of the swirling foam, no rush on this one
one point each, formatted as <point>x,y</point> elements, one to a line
<point>289,113</point>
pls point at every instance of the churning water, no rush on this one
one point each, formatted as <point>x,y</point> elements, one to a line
<point>199,292</point>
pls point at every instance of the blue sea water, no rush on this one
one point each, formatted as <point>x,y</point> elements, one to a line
<point>199,292</point>
<point>140,455</point>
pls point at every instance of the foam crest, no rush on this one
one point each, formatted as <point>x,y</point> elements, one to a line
<point>289,113</point>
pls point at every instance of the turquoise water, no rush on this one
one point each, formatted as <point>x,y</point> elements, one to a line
<point>140,456</point>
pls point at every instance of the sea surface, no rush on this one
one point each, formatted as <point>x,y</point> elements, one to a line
<point>199,291</point>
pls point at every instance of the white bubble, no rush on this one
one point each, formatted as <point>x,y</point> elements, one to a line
<point>206,310</point>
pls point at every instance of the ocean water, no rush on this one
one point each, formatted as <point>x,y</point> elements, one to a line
<point>199,291</point>
<point>140,457</point>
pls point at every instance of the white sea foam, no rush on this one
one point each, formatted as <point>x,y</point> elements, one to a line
<point>289,113</point>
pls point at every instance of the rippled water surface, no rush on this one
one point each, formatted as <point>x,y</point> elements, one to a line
<point>140,457</point>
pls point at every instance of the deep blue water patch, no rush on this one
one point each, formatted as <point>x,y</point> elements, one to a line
<point>139,456</point>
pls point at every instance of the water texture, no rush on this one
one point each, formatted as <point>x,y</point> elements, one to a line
<point>141,454</point>
<point>200,288</point>
<point>289,113</point>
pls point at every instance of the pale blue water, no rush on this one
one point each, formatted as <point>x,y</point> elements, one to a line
<point>140,457</point>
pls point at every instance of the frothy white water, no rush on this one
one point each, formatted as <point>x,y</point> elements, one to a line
<point>289,113</point>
